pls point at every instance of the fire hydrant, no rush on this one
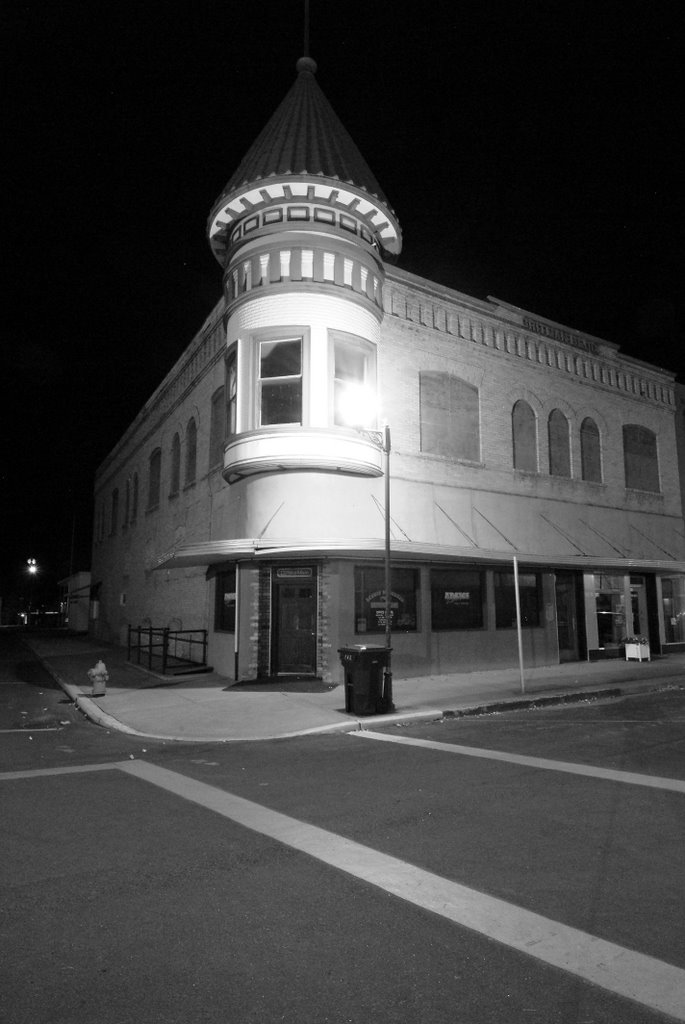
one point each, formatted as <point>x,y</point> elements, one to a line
<point>98,677</point>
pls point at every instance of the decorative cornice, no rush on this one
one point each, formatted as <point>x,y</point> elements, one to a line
<point>478,322</point>
<point>329,201</point>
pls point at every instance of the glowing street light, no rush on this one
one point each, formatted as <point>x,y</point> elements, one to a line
<point>32,570</point>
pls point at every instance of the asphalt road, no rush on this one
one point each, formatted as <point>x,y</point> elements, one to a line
<point>253,882</point>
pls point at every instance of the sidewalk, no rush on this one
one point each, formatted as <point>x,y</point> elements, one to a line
<point>209,708</point>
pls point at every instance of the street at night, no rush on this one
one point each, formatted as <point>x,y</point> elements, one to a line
<point>296,880</point>
<point>342,593</point>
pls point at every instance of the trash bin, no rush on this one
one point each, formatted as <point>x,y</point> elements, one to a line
<point>364,667</point>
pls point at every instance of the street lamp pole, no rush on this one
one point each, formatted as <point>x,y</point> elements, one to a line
<point>32,569</point>
<point>388,704</point>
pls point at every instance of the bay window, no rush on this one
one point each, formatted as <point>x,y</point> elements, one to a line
<point>280,382</point>
<point>354,381</point>
<point>231,393</point>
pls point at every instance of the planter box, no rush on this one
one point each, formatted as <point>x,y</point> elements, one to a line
<point>639,652</point>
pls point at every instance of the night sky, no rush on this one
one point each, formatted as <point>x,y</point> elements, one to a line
<point>532,151</point>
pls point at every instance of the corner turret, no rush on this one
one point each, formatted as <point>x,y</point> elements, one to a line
<point>301,231</point>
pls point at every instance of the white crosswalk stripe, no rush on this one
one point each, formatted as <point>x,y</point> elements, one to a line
<point>646,980</point>
<point>594,771</point>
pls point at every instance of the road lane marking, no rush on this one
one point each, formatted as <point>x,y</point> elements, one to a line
<point>593,771</point>
<point>35,728</point>
<point>35,773</point>
<point>644,979</point>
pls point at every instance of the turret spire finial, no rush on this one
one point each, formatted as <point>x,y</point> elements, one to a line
<point>306,28</point>
<point>305,63</point>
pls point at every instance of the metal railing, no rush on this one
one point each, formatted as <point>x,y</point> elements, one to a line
<point>165,650</point>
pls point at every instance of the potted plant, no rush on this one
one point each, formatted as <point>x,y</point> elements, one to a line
<point>637,647</point>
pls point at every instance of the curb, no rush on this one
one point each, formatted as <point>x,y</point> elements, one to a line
<point>92,711</point>
<point>577,697</point>
<point>85,705</point>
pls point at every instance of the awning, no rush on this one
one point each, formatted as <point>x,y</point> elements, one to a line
<point>217,552</point>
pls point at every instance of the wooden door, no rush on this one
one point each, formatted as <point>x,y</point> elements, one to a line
<point>294,644</point>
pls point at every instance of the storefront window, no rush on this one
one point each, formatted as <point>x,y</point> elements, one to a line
<point>673,596</point>
<point>224,614</point>
<point>369,599</point>
<point>505,599</point>
<point>611,610</point>
<point>456,599</point>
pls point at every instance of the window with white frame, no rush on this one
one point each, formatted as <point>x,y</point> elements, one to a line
<point>231,393</point>
<point>280,382</point>
<point>354,381</point>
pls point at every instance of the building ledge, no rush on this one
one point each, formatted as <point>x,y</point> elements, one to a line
<point>295,448</point>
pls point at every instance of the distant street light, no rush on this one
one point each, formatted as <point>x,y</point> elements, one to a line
<point>32,569</point>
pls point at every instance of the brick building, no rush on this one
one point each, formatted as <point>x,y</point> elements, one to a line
<point>248,496</point>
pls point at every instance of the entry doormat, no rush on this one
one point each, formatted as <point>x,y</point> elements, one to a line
<point>285,684</point>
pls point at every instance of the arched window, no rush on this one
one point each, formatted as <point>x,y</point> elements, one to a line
<point>524,438</point>
<point>114,521</point>
<point>127,502</point>
<point>154,478</point>
<point>640,458</point>
<point>217,428</point>
<point>590,451</point>
<point>191,452</point>
<point>134,499</point>
<point>559,447</point>
<point>175,466</point>
<point>450,416</point>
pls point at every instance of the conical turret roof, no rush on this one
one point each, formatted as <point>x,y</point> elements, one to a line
<point>304,138</point>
